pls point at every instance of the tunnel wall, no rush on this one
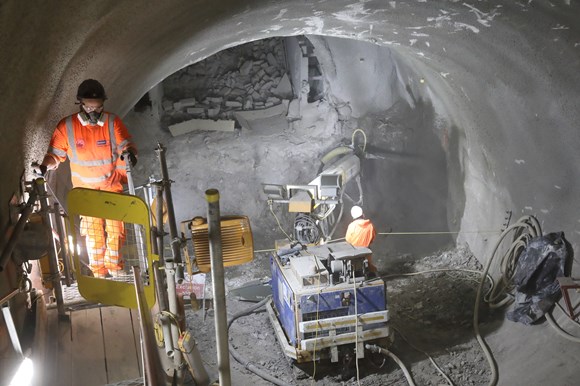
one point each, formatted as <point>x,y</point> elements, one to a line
<point>504,76</point>
<point>358,73</point>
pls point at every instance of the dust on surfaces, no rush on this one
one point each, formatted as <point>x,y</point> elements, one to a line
<point>405,186</point>
<point>431,313</point>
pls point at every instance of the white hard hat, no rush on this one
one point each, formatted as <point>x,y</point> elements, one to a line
<point>356,211</point>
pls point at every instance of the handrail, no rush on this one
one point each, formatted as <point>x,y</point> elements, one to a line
<point>6,298</point>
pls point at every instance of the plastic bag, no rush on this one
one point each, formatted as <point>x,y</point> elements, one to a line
<point>538,266</point>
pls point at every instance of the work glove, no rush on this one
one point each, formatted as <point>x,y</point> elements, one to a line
<point>131,157</point>
<point>39,169</point>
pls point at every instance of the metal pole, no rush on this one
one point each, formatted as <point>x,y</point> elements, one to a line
<point>170,211</point>
<point>219,292</point>
<point>40,185</point>
<point>154,372</point>
<point>136,228</point>
<point>130,183</point>
<point>9,296</point>
<point>160,285</point>
<point>159,218</point>
<point>173,308</point>
<point>170,332</point>
<point>18,228</point>
<point>150,358</point>
<point>170,263</point>
<point>63,244</point>
<point>162,301</point>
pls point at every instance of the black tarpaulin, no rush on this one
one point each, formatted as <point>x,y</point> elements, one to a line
<point>537,268</point>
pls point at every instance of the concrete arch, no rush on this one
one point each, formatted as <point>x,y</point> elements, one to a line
<point>503,75</point>
<point>500,75</point>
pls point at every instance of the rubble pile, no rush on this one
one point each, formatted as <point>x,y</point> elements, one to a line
<point>243,78</point>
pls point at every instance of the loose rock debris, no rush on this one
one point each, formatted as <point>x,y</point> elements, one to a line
<point>243,78</point>
<point>431,313</point>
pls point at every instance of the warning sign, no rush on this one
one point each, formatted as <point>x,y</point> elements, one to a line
<point>191,284</point>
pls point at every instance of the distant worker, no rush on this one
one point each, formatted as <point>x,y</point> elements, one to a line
<point>94,141</point>
<point>361,232</point>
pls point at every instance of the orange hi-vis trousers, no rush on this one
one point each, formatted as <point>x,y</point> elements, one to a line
<point>104,241</point>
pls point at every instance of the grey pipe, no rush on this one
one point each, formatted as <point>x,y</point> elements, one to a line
<point>40,186</point>
<point>219,292</point>
<point>153,369</point>
<point>18,228</point>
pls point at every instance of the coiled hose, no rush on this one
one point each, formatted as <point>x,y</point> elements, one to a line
<point>238,357</point>
<point>559,329</point>
<point>525,228</point>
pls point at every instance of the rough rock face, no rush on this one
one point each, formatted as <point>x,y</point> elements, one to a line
<point>247,77</point>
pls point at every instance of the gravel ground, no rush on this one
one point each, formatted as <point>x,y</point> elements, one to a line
<point>431,313</point>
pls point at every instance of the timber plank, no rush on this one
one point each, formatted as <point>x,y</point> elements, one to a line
<point>50,362</point>
<point>64,351</point>
<point>120,350</point>
<point>89,367</point>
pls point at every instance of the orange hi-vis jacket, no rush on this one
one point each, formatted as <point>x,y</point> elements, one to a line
<point>93,150</point>
<point>360,233</point>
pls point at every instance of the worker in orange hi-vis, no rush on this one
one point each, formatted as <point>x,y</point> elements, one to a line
<point>94,141</point>
<point>361,232</point>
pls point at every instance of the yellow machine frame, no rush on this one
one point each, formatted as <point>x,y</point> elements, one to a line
<point>114,206</point>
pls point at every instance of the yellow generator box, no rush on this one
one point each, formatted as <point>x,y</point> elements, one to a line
<point>237,242</point>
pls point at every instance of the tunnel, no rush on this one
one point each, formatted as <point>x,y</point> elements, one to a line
<point>470,110</point>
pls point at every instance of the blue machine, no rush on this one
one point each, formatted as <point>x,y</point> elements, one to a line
<point>323,305</point>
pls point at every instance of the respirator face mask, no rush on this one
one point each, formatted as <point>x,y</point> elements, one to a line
<point>94,117</point>
<point>92,114</point>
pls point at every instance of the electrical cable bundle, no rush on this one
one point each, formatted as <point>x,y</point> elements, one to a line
<point>306,230</point>
<point>523,230</point>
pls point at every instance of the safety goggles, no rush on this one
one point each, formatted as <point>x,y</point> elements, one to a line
<point>91,108</point>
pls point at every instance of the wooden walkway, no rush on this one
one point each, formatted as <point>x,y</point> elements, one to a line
<point>95,346</point>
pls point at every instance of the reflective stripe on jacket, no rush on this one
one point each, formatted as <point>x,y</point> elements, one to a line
<point>93,150</point>
<point>360,233</point>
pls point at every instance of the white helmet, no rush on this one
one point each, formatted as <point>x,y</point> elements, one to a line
<point>356,211</point>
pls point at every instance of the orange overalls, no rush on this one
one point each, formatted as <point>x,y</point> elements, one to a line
<point>361,233</point>
<point>94,153</point>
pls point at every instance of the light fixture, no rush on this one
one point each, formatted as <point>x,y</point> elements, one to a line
<point>23,376</point>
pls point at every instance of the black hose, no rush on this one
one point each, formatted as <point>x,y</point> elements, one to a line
<point>247,364</point>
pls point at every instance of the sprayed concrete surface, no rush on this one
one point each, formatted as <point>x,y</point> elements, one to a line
<point>405,185</point>
<point>497,81</point>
